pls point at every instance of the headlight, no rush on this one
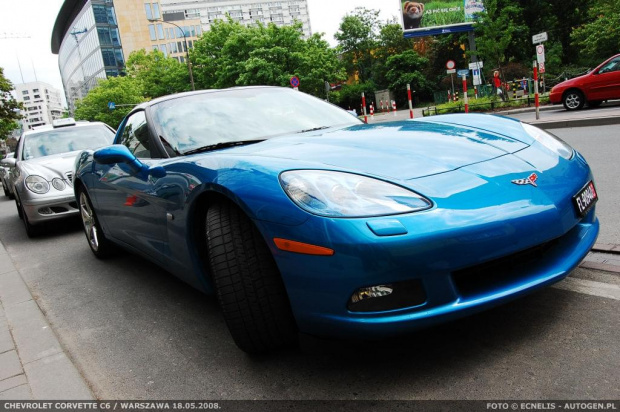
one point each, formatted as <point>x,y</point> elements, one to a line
<point>338,194</point>
<point>58,184</point>
<point>551,142</point>
<point>37,184</point>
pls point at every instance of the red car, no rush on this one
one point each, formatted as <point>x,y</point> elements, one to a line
<point>602,83</point>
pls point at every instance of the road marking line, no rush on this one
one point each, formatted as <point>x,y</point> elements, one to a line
<point>589,287</point>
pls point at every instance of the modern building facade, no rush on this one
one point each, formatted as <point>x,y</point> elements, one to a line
<point>93,39</point>
<point>42,103</point>
<point>282,13</point>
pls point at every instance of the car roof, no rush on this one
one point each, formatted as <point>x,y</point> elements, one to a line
<point>49,127</point>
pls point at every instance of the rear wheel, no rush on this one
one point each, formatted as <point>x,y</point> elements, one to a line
<point>247,281</point>
<point>573,100</point>
<point>99,244</point>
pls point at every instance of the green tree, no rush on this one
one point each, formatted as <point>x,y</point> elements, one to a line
<point>231,54</point>
<point>357,39</point>
<point>599,37</point>
<point>497,30</point>
<point>157,74</point>
<point>125,92</point>
<point>9,107</point>
<point>406,68</point>
<point>390,42</point>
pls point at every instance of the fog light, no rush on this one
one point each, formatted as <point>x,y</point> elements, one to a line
<point>45,211</point>
<point>392,296</point>
<point>371,292</point>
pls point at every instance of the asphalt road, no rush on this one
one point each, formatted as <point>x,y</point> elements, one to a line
<point>135,332</point>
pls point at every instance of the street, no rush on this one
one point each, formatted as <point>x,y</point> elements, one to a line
<point>136,332</point>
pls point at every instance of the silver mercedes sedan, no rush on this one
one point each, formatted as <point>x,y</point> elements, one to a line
<point>43,169</point>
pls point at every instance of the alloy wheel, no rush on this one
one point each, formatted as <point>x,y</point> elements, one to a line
<point>88,219</point>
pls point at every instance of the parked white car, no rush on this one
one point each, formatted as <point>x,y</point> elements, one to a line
<point>4,177</point>
<point>43,169</point>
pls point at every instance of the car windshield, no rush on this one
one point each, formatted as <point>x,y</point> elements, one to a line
<point>204,120</point>
<point>66,139</point>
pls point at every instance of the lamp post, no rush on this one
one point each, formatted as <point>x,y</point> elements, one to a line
<point>189,65</point>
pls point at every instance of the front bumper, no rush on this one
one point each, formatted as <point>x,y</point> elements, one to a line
<point>50,208</point>
<point>319,287</point>
<point>555,96</point>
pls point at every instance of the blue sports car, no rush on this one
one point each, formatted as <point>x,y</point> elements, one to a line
<point>301,218</point>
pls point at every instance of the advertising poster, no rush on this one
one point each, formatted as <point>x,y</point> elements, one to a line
<point>428,17</point>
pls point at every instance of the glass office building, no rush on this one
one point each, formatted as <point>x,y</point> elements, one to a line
<point>87,41</point>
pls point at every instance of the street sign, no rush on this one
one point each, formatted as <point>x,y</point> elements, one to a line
<point>450,71</point>
<point>450,65</point>
<point>476,74</point>
<point>462,72</point>
<point>111,105</point>
<point>540,53</point>
<point>295,81</point>
<point>539,38</point>
<point>476,65</point>
<point>541,68</point>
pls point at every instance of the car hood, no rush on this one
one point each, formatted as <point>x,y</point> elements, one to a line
<point>50,167</point>
<point>571,82</point>
<point>400,150</point>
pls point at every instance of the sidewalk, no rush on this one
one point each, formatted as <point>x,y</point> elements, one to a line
<point>551,117</point>
<point>33,364</point>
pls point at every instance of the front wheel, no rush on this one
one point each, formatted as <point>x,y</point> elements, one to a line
<point>573,100</point>
<point>247,282</point>
<point>31,230</point>
<point>99,244</point>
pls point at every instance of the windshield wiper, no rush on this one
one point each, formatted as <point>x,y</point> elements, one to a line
<point>221,145</point>
<point>314,129</point>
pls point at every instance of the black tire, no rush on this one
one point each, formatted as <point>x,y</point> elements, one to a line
<point>98,243</point>
<point>31,230</point>
<point>247,282</point>
<point>573,100</point>
<point>6,192</point>
<point>19,209</point>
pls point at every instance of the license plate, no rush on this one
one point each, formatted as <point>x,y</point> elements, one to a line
<point>585,199</point>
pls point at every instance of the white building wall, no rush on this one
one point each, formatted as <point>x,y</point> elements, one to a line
<point>42,103</point>
<point>282,13</point>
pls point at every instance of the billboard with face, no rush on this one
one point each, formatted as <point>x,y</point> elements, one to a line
<point>428,17</point>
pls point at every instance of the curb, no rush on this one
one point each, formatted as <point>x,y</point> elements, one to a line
<point>33,364</point>
<point>589,121</point>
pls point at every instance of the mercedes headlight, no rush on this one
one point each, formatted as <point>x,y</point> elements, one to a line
<point>37,184</point>
<point>339,194</point>
<point>551,142</point>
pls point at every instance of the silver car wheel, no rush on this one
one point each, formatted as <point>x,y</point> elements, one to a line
<point>88,218</point>
<point>573,101</point>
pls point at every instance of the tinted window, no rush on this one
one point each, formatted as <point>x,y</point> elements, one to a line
<point>136,136</point>
<point>65,139</point>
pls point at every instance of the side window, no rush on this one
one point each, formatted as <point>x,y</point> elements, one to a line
<point>136,136</point>
<point>612,66</point>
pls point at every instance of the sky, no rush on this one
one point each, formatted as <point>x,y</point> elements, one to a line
<point>33,21</point>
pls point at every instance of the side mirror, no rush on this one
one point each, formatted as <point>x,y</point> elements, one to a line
<point>119,153</point>
<point>8,162</point>
<point>115,154</point>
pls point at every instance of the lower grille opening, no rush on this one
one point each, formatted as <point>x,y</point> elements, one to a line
<point>59,209</point>
<point>500,273</point>
<point>73,205</point>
